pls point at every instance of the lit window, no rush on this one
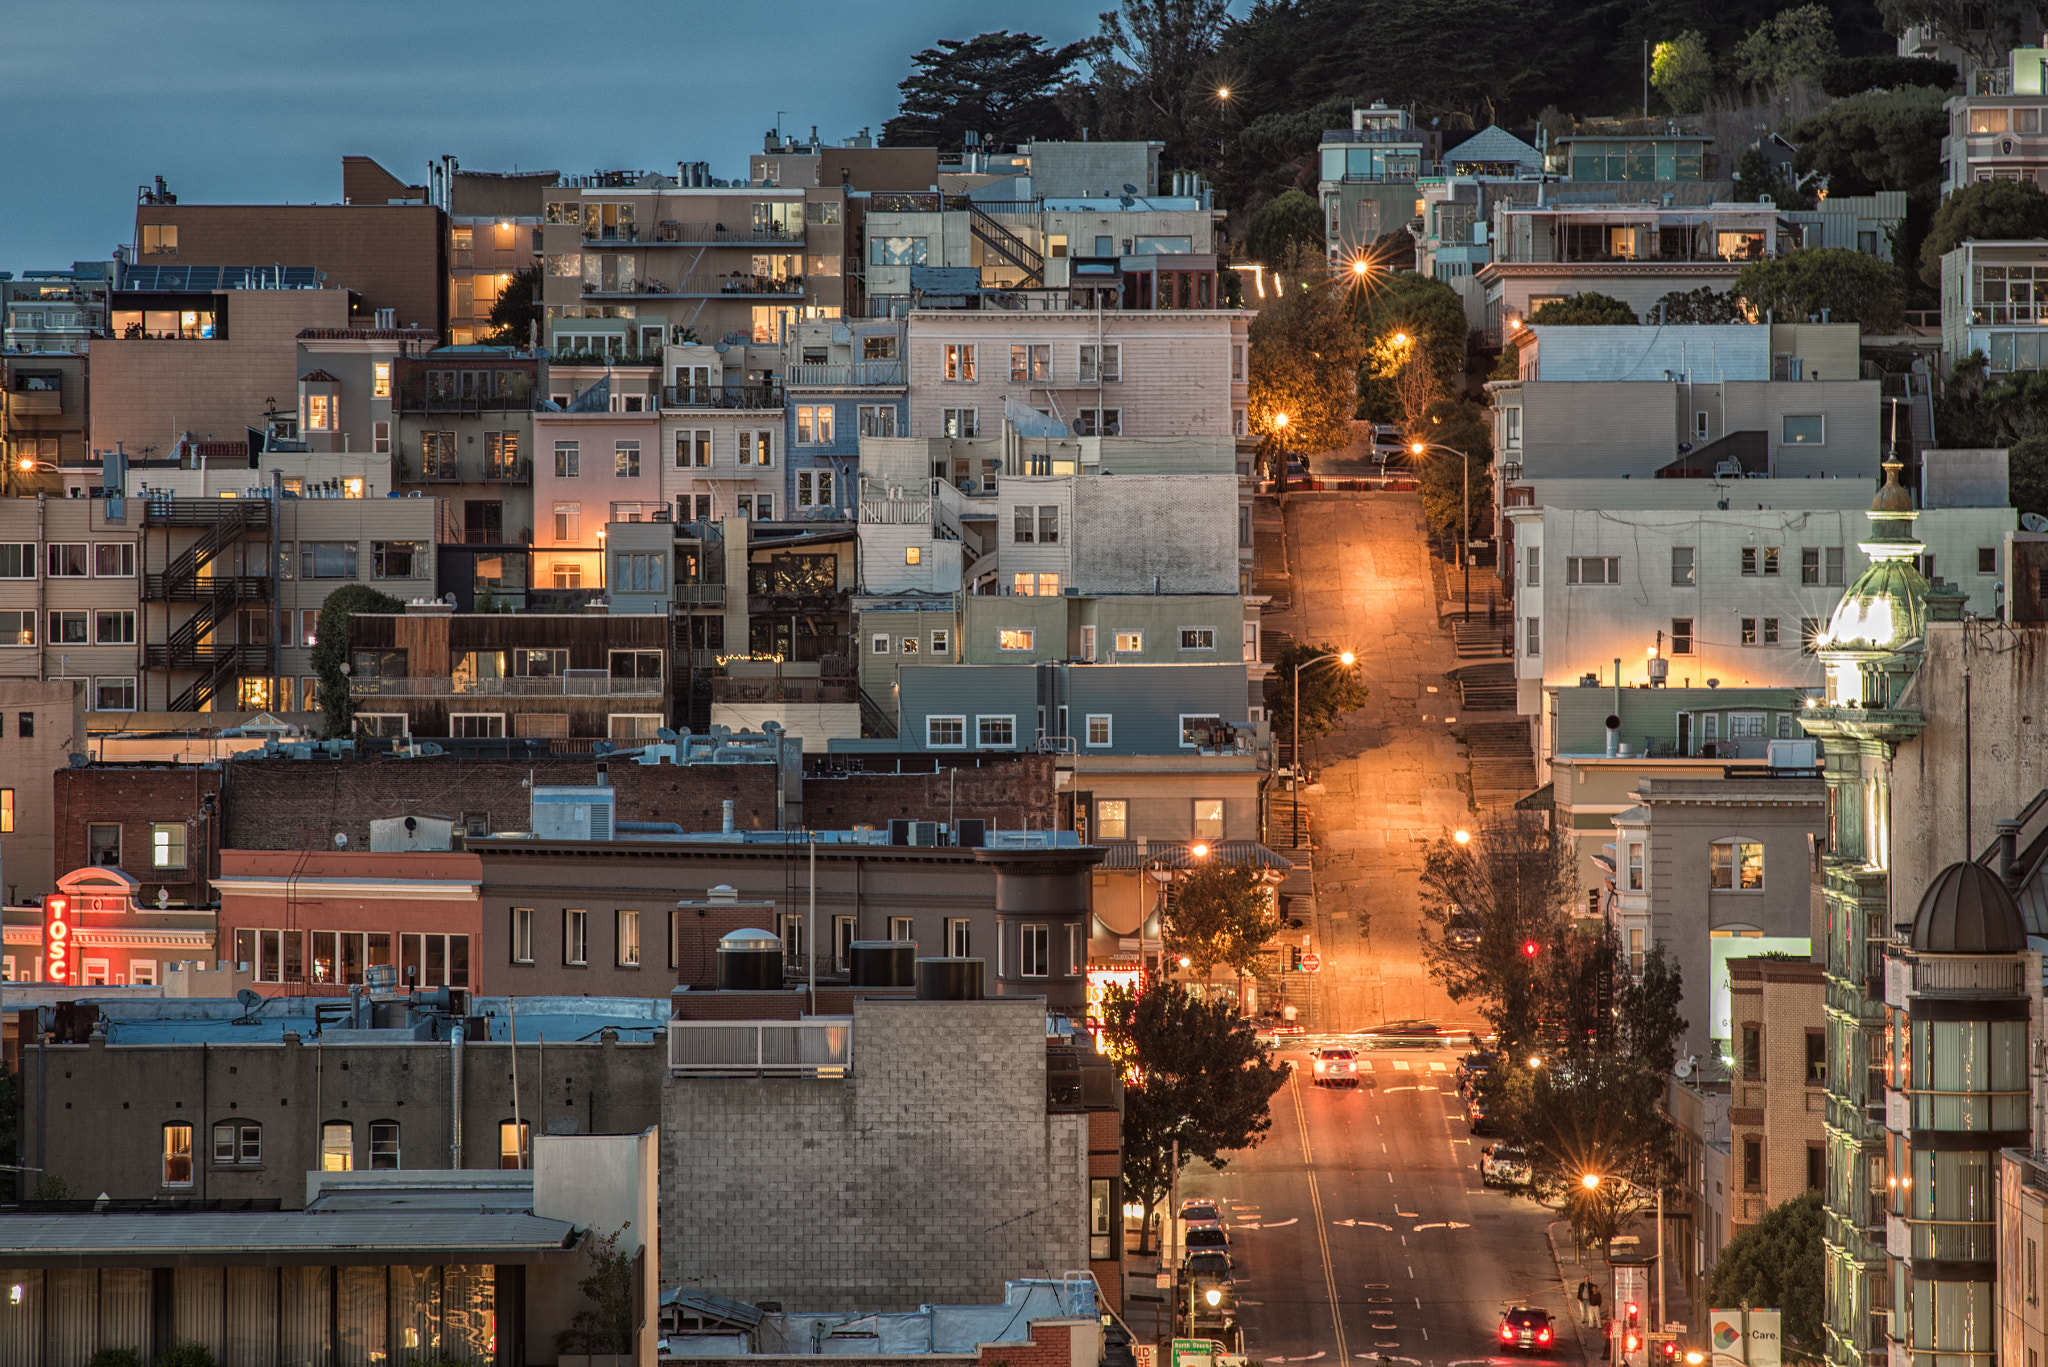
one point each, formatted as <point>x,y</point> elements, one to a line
<point>1208,818</point>
<point>1013,638</point>
<point>1112,819</point>
<point>1736,865</point>
<point>515,1144</point>
<point>177,1155</point>
<point>167,845</point>
<point>337,1147</point>
<point>913,555</point>
<point>629,939</point>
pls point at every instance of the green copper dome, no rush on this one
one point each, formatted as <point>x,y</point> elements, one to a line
<point>1887,605</point>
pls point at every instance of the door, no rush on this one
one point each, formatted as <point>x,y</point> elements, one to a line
<point>483,522</point>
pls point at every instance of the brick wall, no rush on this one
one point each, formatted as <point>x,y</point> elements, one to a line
<point>1006,795</point>
<point>137,797</point>
<point>929,1175</point>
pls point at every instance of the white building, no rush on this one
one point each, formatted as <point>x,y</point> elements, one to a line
<point>1994,299</point>
<point>1995,132</point>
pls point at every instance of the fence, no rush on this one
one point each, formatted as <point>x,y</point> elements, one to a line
<point>819,1047</point>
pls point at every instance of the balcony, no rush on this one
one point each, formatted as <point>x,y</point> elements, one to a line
<point>848,375</point>
<point>24,403</point>
<point>701,595</point>
<point>821,1047</point>
<point>508,472</point>
<point>419,399</point>
<point>739,396</point>
<point>759,690</point>
<point>577,683</point>
<point>714,286</point>
<point>1414,137</point>
<point>671,233</point>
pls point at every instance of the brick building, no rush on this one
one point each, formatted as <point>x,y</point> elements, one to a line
<point>1777,1132</point>
<point>160,823</point>
<point>41,722</point>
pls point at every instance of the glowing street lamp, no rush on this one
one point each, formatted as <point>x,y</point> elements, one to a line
<point>1465,552</point>
<point>1591,1182</point>
<point>1343,657</point>
<point>1463,837</point>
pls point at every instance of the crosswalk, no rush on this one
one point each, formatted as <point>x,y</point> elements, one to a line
<point>1402,1065</point>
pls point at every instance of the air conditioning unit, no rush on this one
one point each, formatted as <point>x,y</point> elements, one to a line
<point>1792,754</point>
<point>582,812</point>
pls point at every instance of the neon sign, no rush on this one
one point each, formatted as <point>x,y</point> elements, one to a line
<point>58,964</point>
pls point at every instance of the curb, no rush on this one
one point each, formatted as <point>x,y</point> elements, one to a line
<point>1578,1330</point>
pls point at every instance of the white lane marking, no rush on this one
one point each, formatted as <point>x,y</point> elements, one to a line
<point>1400,1065</point>
<point>1406,1089</point>
<point>1279,1224</point>
<point>1436,1066</point>
<point>1411,1274</point>
<point>1373,1223</point>
<point>1310,1358</point>
<point>1409,1214</point>
<point>1315,1199</point>
<point>1365,1065</point>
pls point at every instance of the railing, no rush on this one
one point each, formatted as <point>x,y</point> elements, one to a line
<point>508,472</point>
<point>745,396</point>
<point>712,286</point>
<point>781,690</point>
<point>442,686</point>
<point>701,595</point>
<point>848,373</point>
<point>669,233</point>
<point>1416,136</point>
<point>1959,1241</point>
<point>2009,315</point>
<point>159,588</point>
<point>821,1047</point>
<point>416,399</point>
<point>1944,977</point>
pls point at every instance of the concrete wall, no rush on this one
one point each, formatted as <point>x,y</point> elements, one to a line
<point>1135,533</point>
<point>802,1190</point>
<point>1607,429</point>
<point>608,1184</point>
<point>56,714</point>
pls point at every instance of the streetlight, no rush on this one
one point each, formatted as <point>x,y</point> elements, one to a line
<point>600,560</point>
<point>1591,1182</point>
<point>1199,850</point>
<point>1343,657</point>
<point>1465,552</point>
<point>1463,837</point>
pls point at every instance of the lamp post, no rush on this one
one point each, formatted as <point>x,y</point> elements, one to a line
<point>1591,1182</point>
<point>1343,657</point>
<point>1465,551</point>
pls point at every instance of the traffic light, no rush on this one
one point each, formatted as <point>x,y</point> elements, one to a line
<point>1634,1319</point>
<point>1631,1342</point>
<point>1670,1350</point>
<point>1530,949</point>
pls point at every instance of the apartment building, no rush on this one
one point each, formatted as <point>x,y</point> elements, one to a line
<point>1137,709</point>
<point>44,418</point>
<point>71,597</point>
<point>118,930</point>
<point>1368,175</point>
<point>1994,132</point>
<point>593,468</point>
<point>1779,1082</point>
<point>464,437</point>
<point>1455,201</point>
<point>632,262</point>
<point>387,248</point>
<point>845,382</point>
<point>1994,302</point>
<point>55,310</point>
<point>788,162</point>
<point>42,722</point>
<point>727,428</point>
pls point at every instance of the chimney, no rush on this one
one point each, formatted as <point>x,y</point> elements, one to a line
<point>2008,848</point>
<point>1613,736</point>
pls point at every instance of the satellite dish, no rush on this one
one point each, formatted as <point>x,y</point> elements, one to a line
<point>2034,522</point>
<point>1129,188</point>
<point>341,840</point>
<point>1686,1065</point>
<point>250,998</point>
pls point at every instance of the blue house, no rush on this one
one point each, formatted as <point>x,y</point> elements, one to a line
<point>847,379</point>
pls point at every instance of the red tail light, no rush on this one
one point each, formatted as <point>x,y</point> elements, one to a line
<point>1507,1334</point>
<point>1543,1336</point>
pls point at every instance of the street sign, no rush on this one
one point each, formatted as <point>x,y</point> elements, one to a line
<point>1311,963</point>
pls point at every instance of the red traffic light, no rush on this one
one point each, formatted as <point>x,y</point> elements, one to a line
<point>1670,1350</point>
<point>1634,1313</point>
<point>1632,1342</point>
<point>1531,948</point>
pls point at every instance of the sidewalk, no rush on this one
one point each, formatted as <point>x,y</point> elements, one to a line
<point>1579,1331</point>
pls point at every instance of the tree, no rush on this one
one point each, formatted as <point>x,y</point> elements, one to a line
<point>1792,45</point>
<point>1778,1262</point>
<point>1305,355</point>
<point>330,648</point>
<point>1882,140</point>
<point>1513,880</point>
<point>607,1326</point>
<point>1285,228</point>
<point>1154,52</point>
<point>1409,318</point>
<point>1328,690</point>
<point>2027,474</point>
<point>516,312</point>
<point>1850,286</point>
<point>1983,32</point>
<point>1758,176</point>
<point>1584,310</point>
<point>1587,1113</point>
<point>1220,914</point>
<point>1448,491</point>
<point>1846,76</point>
<point>1000,85</point>
<point>1275,153</point>
<point>1683,71</point>
<point>1988,211</point>
<point>1703,305</point>
<point>1195,1073</point>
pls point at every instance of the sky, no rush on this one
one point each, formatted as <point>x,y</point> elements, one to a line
<point>236,102</point>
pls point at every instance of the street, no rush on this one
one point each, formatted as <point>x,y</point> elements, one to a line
<point>1369,1201</point>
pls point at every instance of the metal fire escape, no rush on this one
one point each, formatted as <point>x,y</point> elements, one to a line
<point>1006,244</point>
<point>190,577</point>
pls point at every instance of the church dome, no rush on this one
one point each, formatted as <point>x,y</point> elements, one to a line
<point>1968,910</point>
<point>1887,605</point>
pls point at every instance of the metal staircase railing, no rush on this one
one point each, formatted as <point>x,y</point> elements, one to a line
<point>1006,244</point>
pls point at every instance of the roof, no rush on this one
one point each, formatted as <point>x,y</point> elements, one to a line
<point>1134,854</point>
<point>318,377</point>
<point>1968,909</point>
<point>277,1238</point>
<point>1494,144</point>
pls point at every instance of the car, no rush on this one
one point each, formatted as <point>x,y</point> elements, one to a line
<point>1523,1327</point>
<point>1478,1116</point>
<point>1473,1070</point>
<point>1207,1262</point>
<point>1206,1236</point>
<point>1199,1212</point>
<point>1409,1034</point>
<point>1504,1165</point>
<point>1461,929</point>
<point>1336,1067</point>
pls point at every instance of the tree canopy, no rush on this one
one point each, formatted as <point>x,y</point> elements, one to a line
<point>1220,914</point>
<point>1584,310</point>
<point>1430,316</point>
<point>1882,140</point>
<point>1846,76</point>
<point>1450,486</point>
<point>1001,85</point>
<point>1848,285</point>
<point>516,312</point>
<point>1328,690</point>
<point>1193,1072</point>
<point>1305,356</point>
<point>1683,71</point>
<point>1778,1261</point>
<point>1284,229</point>
<point>1982,30</point>
<point>1792,45</point>
<point>1703,305</point>
<point>1988,211</point>
<point>1513,879</point>
<point>2027,474</point>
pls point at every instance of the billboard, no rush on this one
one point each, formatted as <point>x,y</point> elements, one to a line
<point>1722,948</point>
<point>60,965</point>
<point>1749,1337</point>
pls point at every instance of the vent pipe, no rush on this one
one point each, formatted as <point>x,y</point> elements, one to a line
<point>1613,736</point>
<point>455,1097</point>
<point>2008,852</point>
<point>728,817</point>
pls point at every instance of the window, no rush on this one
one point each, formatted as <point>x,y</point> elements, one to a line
<point>1682,572</point>
<point>1031,364</point>
<point>167,845</point>
<point>235,1142</point>
<point>1816,1058</point>
<point>640,573</point>
<point>814,490</point>
<point>384,1146</point>
<point>942,643</point>
<point>1198,638</point>
<point>477,725</point>
<point>568,527</point>
<point>1635,866</point>
<point>1128,642</point>
<point>568,460</point>
<point>1759,631</point>
<point>159,239</point>
<point>958,422</point>
<point>1196,728</point>
<point>764,507</point>
<point>1987,560</point>
<point>959,937</point>
<point>877,420</point>
<point>18,627</point>
<point>1592,569</point>
<point>959,363</point>
<point>1023,526</point>
<point>114,628</point>
<point>103,843</point>
<point>397,559</point>
<point>1208,818</point>
<point>515,1144</point>
<point>1759,560</point>
<point>113,560</point>
<point>693,448</point>
<point>1808,429</point>
<point>115,694</point>
<point>1104,364</point>
<point>908,645</point>
<point>1237,362</point>
<point>1735,865</point>
<point>996,733</point>
<point>1100,728</point>
<point>628,939</point>
<point>337,1146</point>
<point>1753,1163</point>
<point>177,1155</point>
<point>882,642</point>
<point>1532,635</point>
<point>17,559</point>
<point>67,628</point>
<point>1099,422</point>
<point>945,733</point>
<point>68,560</point>
<point>522,935</point>
<point>1034,951</point>
<point>1532,571</point>
<point>327,560</point>
<point>575,937</point>
<point>1820,564</point>
<point>1035,585</point>
<point>1013,638</point>
<point>813,425</point>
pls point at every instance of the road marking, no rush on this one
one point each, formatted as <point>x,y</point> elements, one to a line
<point>1315,1197</point>
<point>1406,1089</point>
<point>1409,1214</point>
<point>1411,1274</point>
<point>1400,1065</point>
<point>1310,1358</point>
<point>1365,1065</point>
<point>1420,1228</point>
<point>1279,1224</point>
<point>1375,1224</point>
<point>1436,1066</point>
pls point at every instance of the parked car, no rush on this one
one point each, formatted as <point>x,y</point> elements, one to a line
<point>1478,1117</point>
<point>1522,1327</point>
<point>1199,1212</point>
<point>1207,1262</point>
<point>1504,1165</point>
<point>1336,1067</point>
<point>1473,1070</point>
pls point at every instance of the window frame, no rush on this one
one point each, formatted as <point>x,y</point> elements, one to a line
<point>385,1141</point>
<point>1105,818</point>
<point>1731,872</point>
<point>1686,637</point>
<point>176,1151</point>
<point>124,554</point>
<point>957,719</point>
<point>181,840</point>
<point>1108,721</point>
<point>522,935</point>
<point>1785,438</point>
<point>625,937</point>
<point>1034,950</point>
<point>982,722</point>
<point>1191,639</point>
<point>1021,640</point>
<point>575,937</point>
<point>1203,826</point>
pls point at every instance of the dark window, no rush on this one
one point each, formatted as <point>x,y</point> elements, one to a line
<point>1753,1164</point>
<point>1752,1051</point>
<point>27,721</point>
<point>1816,1058</point>
<point>1816,1168</point>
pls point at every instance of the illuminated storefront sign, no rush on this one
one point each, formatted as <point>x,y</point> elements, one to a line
<point>58,964</point>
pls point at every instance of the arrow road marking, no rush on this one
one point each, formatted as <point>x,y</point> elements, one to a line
<point>1375,1224</point>
<point>1280,1224</point>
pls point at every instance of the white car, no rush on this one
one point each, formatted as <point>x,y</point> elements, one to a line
<point>1504,1165</point>
<point>1336,1067</point>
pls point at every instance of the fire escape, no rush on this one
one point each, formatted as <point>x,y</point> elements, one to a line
<point>191,577</point>
<point>1006,244</point>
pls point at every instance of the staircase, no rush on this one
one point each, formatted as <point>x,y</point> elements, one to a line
<point>1503,767</point>
<point>1006,244</point>
<point>189,578</point>
<point>1488,687</point>
<point>1482,640</point>
<point>875,721</point>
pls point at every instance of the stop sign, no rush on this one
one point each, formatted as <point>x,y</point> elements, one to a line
<point>1311,963</point>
